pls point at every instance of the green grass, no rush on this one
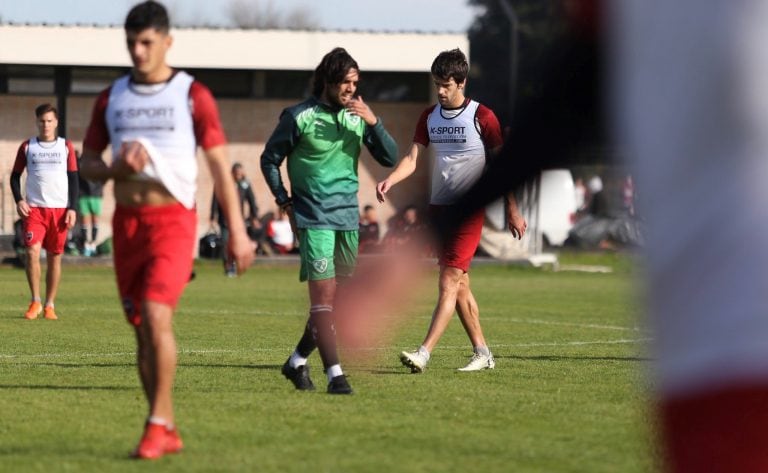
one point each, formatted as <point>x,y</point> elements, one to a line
<point>566,395</point>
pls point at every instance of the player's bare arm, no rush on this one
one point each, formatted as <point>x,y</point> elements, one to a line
<point>405,168</point>
<point>240,248</point>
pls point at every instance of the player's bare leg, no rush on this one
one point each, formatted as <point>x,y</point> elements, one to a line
<point>52,278</point>
<point>450,279</point>
<point>157,334</point>
<point>448,290</point>
<point>469,314</point>
<point>33,270</point>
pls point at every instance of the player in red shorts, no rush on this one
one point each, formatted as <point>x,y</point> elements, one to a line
<point>460,130</point>
<point>155,117</point>
<point>48,211</point>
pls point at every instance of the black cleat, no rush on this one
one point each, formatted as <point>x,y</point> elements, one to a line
<point>339,385</point>
<point>298,376</point>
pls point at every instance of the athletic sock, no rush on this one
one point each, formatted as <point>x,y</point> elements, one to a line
<point>321,322</point>
<point>94,233</point>
<point>297,360</point>
<point>483,351</point>
<point>48,304</point>
<point>157,420</point>
<point>307,343</point>
<point>333,371</point>
<point>84,234</point>
<point>36,299</point>
<point>424,352</point>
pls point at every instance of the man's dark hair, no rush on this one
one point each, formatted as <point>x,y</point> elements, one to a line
<point>149,14</point>
<point>332,69</point>
<point>41,110</point>
<point>451,64</point>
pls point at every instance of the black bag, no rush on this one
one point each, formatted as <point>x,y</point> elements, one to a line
<point>211,246</point>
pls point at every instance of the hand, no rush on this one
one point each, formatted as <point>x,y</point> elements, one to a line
<point>132,158</point>
<point>291,218</point>
<point>381,189</point>
<point>358,107</point>
<point>70,218</point>
<point>517,225</point>
<point>241,250</point>
<point>22,208</point>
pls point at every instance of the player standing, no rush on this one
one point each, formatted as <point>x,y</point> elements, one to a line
<point>155,117</point>
<point>48,210</point>
<point>322,138</point>
<point>463,133</point>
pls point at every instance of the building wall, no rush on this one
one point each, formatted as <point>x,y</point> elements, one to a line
<point>248,124</point>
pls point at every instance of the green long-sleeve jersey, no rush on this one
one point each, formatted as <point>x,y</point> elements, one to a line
<point>323,144</point>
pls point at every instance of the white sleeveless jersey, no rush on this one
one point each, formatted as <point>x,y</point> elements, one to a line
<point>459,152</point>
<point>161,119</point>
<point>47,184</point>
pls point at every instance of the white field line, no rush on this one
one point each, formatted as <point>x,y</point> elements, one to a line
<point>282,349</point>
<point>501,318</point>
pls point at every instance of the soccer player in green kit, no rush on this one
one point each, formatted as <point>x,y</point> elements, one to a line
<point>322,138</point>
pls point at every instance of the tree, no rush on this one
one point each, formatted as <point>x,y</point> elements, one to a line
<point>252,14</point>
<point>539,26</point>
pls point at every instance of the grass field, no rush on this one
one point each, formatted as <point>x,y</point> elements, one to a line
<point>566,394</point>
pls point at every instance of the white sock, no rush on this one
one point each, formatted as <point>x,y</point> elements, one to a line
<point>157,420</point>
<point>484,350</point>
<point>296,360</point>
<point>424,352</point>
<point>333,371</point>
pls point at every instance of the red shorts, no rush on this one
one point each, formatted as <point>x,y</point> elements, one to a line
<point>722,431</point>
<point>47,227</point>
<point>153,254</point>
<point>458,245</point>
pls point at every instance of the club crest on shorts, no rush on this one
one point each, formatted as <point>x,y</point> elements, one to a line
<point>29,236</point>
<point>320,265</point>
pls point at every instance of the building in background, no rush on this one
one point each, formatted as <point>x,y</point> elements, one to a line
<point>253,74</point>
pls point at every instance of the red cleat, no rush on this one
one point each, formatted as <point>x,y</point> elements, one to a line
<point>173,443</point>
<point>153,443</point>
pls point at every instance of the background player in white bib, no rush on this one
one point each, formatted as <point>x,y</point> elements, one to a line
<point>464,134</point>
<point>48,211</point>
<point>155,117</point>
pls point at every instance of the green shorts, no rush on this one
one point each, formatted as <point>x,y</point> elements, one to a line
<point>326,253</point>
<point>90,205</point>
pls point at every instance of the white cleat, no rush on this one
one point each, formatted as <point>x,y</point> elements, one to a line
<point>480,362</point>
<point>414,360</point>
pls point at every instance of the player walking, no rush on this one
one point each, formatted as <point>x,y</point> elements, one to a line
<point>48,210</point>
<point>322,138</point>
<point>155,117</point>
<point>463,134</point>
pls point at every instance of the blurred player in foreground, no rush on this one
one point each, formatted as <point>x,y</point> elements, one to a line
<point>155,117</point>
<point>690,91</point>
<point>463,132</point>
<point>322,138</point>
<point>48,210</point>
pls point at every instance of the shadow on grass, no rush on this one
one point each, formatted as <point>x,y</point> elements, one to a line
<point>572,358</point>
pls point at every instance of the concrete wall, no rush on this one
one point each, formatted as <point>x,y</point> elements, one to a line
<point>248,124</point>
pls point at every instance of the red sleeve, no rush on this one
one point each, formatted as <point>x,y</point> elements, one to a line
<point>97,136</point>
<point>21,158</point>
<point>421,136</point>
<point>490,129</point>
<point>71,156</point>
<point>205,116</point>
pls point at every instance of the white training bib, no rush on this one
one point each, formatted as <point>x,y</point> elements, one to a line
<point>47,184</point>
<point>161,119</point>
<point>459,152</point>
